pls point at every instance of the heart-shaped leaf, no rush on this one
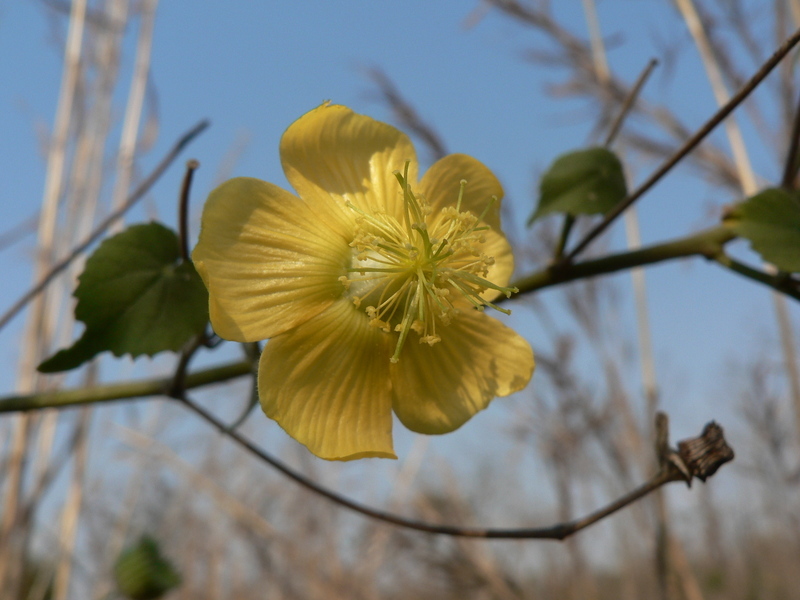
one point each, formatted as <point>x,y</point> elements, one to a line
<point>585,182</point>
<point>143,573</point>
<point>771,221</point>
<point>135,296</point>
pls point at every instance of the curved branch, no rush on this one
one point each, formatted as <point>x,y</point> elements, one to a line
<point>695,458</point>
<point>699,457</point>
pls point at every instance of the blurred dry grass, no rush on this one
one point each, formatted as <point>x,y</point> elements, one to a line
<point>237,530</point>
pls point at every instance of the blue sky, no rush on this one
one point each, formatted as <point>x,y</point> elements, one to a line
<point>254,67</point>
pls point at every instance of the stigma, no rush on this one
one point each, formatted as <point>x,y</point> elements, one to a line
<point>416,271</point>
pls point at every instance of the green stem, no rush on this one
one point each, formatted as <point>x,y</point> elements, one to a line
<point>121,391</point>
<point>569,221</point>
<point>780,281</point>
<point>707,243</point>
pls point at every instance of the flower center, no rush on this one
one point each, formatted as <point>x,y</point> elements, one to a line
<point>409,274</point>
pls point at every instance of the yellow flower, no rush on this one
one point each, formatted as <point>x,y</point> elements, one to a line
<point>366,286</point>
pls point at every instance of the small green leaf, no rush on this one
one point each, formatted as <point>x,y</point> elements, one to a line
<point>135,296</point>
<point>584,182</point>
<point>143,573</point>
<point>771,221</point>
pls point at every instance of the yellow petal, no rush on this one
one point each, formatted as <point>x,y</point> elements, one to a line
<point>327,384</point>
<point>332,153</point>
<point>442,183</point>
<point>436,389</point>
<point>500,272</point>
<point>268,261</point>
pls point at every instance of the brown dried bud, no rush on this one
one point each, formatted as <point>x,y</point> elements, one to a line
<point>705,454</point>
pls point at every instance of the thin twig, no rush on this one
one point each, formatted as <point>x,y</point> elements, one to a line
<point>629,100</point>
<point>791,164</point>
<point>780,282</point>
<point>179,379</point>
<point>556,532</point>
<point>406,114</point>
<point>710,55</point>
<point>18,231</point>
<point>93,16</point>
<point>569,220</point>
<point>563,237</point>
<point>183,208</point>
<point>690,144</point>
<point>137,195</point>
<point>575,55</point>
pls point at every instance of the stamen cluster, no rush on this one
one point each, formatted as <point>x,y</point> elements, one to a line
<point>409,274</point>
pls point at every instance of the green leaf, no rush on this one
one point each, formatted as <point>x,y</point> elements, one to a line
<point>584,182</point>
<point>771,221</point>
<point>135,296</point>
<point>143,573</point>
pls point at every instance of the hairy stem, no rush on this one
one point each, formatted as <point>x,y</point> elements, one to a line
<point>781,282</point>
<point>707,243</point>
<point>121,391</point>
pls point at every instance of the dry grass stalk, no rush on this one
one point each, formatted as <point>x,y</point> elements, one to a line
<point>71,513</point>
<point>711,63</point>
<point>133,110</point>
<point>575,421</point>
<point>194,479</point>
<point>712,58</point>
<point>574,55</point>
<point>38,329</point>
<point>665,545</point>
<point>81,128</point>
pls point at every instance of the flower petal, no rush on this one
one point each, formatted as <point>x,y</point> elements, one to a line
<point>441,186</point>
<point>332,152</point>
<point>268,261</point>
<point>442,183</point>
<point>436,389</point>
<point>327,384</point>
<point>500,272</point>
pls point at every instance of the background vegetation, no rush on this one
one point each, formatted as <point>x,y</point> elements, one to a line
<point>79,486</point>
